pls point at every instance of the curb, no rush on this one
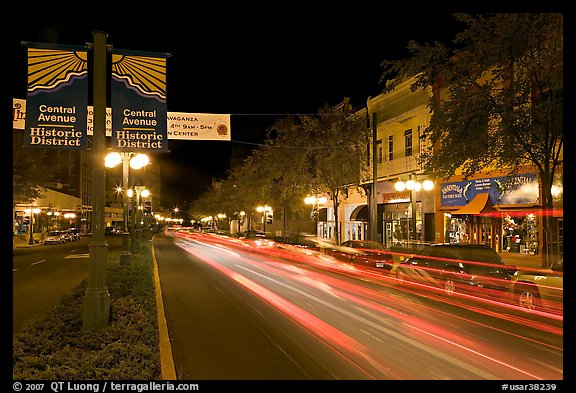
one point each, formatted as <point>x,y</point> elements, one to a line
<point>166,359</point>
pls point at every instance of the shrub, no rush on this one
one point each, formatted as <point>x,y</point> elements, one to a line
<point>54,346</point>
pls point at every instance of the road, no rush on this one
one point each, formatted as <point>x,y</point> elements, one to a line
<point>42,274</point>
<point>243,311</point>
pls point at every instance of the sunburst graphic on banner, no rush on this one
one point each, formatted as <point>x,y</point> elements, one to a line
<point>50,69</point>
<point>145,75</point>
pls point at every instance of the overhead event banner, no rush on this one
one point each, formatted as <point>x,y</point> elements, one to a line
<point>183,126</point>
<point>57,98</point>
<point>139,115</point>
<point>503,190</point>
<point>199,126</point>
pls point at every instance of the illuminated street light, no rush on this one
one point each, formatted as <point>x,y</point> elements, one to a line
<point>264,210</point>
<point>31,213</point>
<point>413,185</point>
<point>128,160</point>
<point>138,192</point>
<point>315,201</point>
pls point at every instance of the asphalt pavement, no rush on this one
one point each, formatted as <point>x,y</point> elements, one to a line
<point>213,336</point>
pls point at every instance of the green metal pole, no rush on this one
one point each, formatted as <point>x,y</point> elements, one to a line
<point>125,255</point>
<point>133,239</point>
<point>96,313</point>
<point>31,239</point>
<point>138,190</point>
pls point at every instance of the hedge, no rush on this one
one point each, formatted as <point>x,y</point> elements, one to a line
<point>54,345</point>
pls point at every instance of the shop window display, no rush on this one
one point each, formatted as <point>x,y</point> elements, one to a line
<point>520,234</point>
<point>457,229</point>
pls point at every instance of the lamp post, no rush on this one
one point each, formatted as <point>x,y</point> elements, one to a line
<point>263,209</point>
<point>315,201</point>
<point>96,307</point>
<point>70,217</point>
<point>137,193</point>
<point>413,185</point>
<point>128,160</point>
<point>31,213</point>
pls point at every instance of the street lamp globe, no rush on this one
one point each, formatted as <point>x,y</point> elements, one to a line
<point>400,185</point>
<point>427,185</point>
<point>139,161</point>
<point>112,159</point>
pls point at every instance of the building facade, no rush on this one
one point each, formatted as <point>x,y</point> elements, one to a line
<point>504,212</point>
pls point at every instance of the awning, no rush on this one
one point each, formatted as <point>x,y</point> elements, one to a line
<point>480,204</point>
<point>360,213</point>
<point>323,214</point>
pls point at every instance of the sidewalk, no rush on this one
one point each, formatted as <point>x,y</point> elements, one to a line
<point>522,260</point>
<point>25,243</point>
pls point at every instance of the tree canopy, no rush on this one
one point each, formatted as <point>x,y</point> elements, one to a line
<point>498,101</point>
<point>324,153</point>
<point>29,172</point>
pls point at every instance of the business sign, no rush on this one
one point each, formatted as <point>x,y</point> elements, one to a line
<point>503,190</point>
<point>183,126</point>
<point>139,115</point>
<point>199,126</point>
<point>56,99</point>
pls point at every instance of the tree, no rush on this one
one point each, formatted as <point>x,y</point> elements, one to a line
<point>327,152</point>
<point>304,154</point>
<point>30,174</point>
<point>498,99</point>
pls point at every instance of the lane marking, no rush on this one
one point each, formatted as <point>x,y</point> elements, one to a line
<point>76,256</point>
<point>36,263</point>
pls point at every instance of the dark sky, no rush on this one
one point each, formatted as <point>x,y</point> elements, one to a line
<point>254,64</point>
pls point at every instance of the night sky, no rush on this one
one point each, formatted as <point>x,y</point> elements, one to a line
<point>255,64</point>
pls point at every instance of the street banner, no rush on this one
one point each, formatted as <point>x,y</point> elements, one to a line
<point>57,98</point>
<point>182,126</point>
<point>138,89</point>
<point>199,126</point>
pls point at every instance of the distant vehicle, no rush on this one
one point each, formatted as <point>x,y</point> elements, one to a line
<point>75,233</point>
<point>540,290</point>
<point>251,234</point>
<point>363,252</point>
<point>68,235</point>
<point>474,269</point>
<point>55,237</point>
<point>299,241</point>
<point>110,231</point>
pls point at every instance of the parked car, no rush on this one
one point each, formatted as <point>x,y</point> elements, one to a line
<point>474,269</point>
<point>540,290</point>
<point>75,233</point>
<point>363,252</point>
<point>55,237</point>
<point>252,234</point>
<point>298,241</point>
<point>67,235</point>
<point>110,231</point>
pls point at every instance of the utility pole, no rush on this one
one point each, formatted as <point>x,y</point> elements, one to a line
<point>96,312</point>
<point>374,192</point>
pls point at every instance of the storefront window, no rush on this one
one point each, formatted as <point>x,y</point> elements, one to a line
<point>520,233</point>
<point>457,228</point>
<point>486,232</point>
